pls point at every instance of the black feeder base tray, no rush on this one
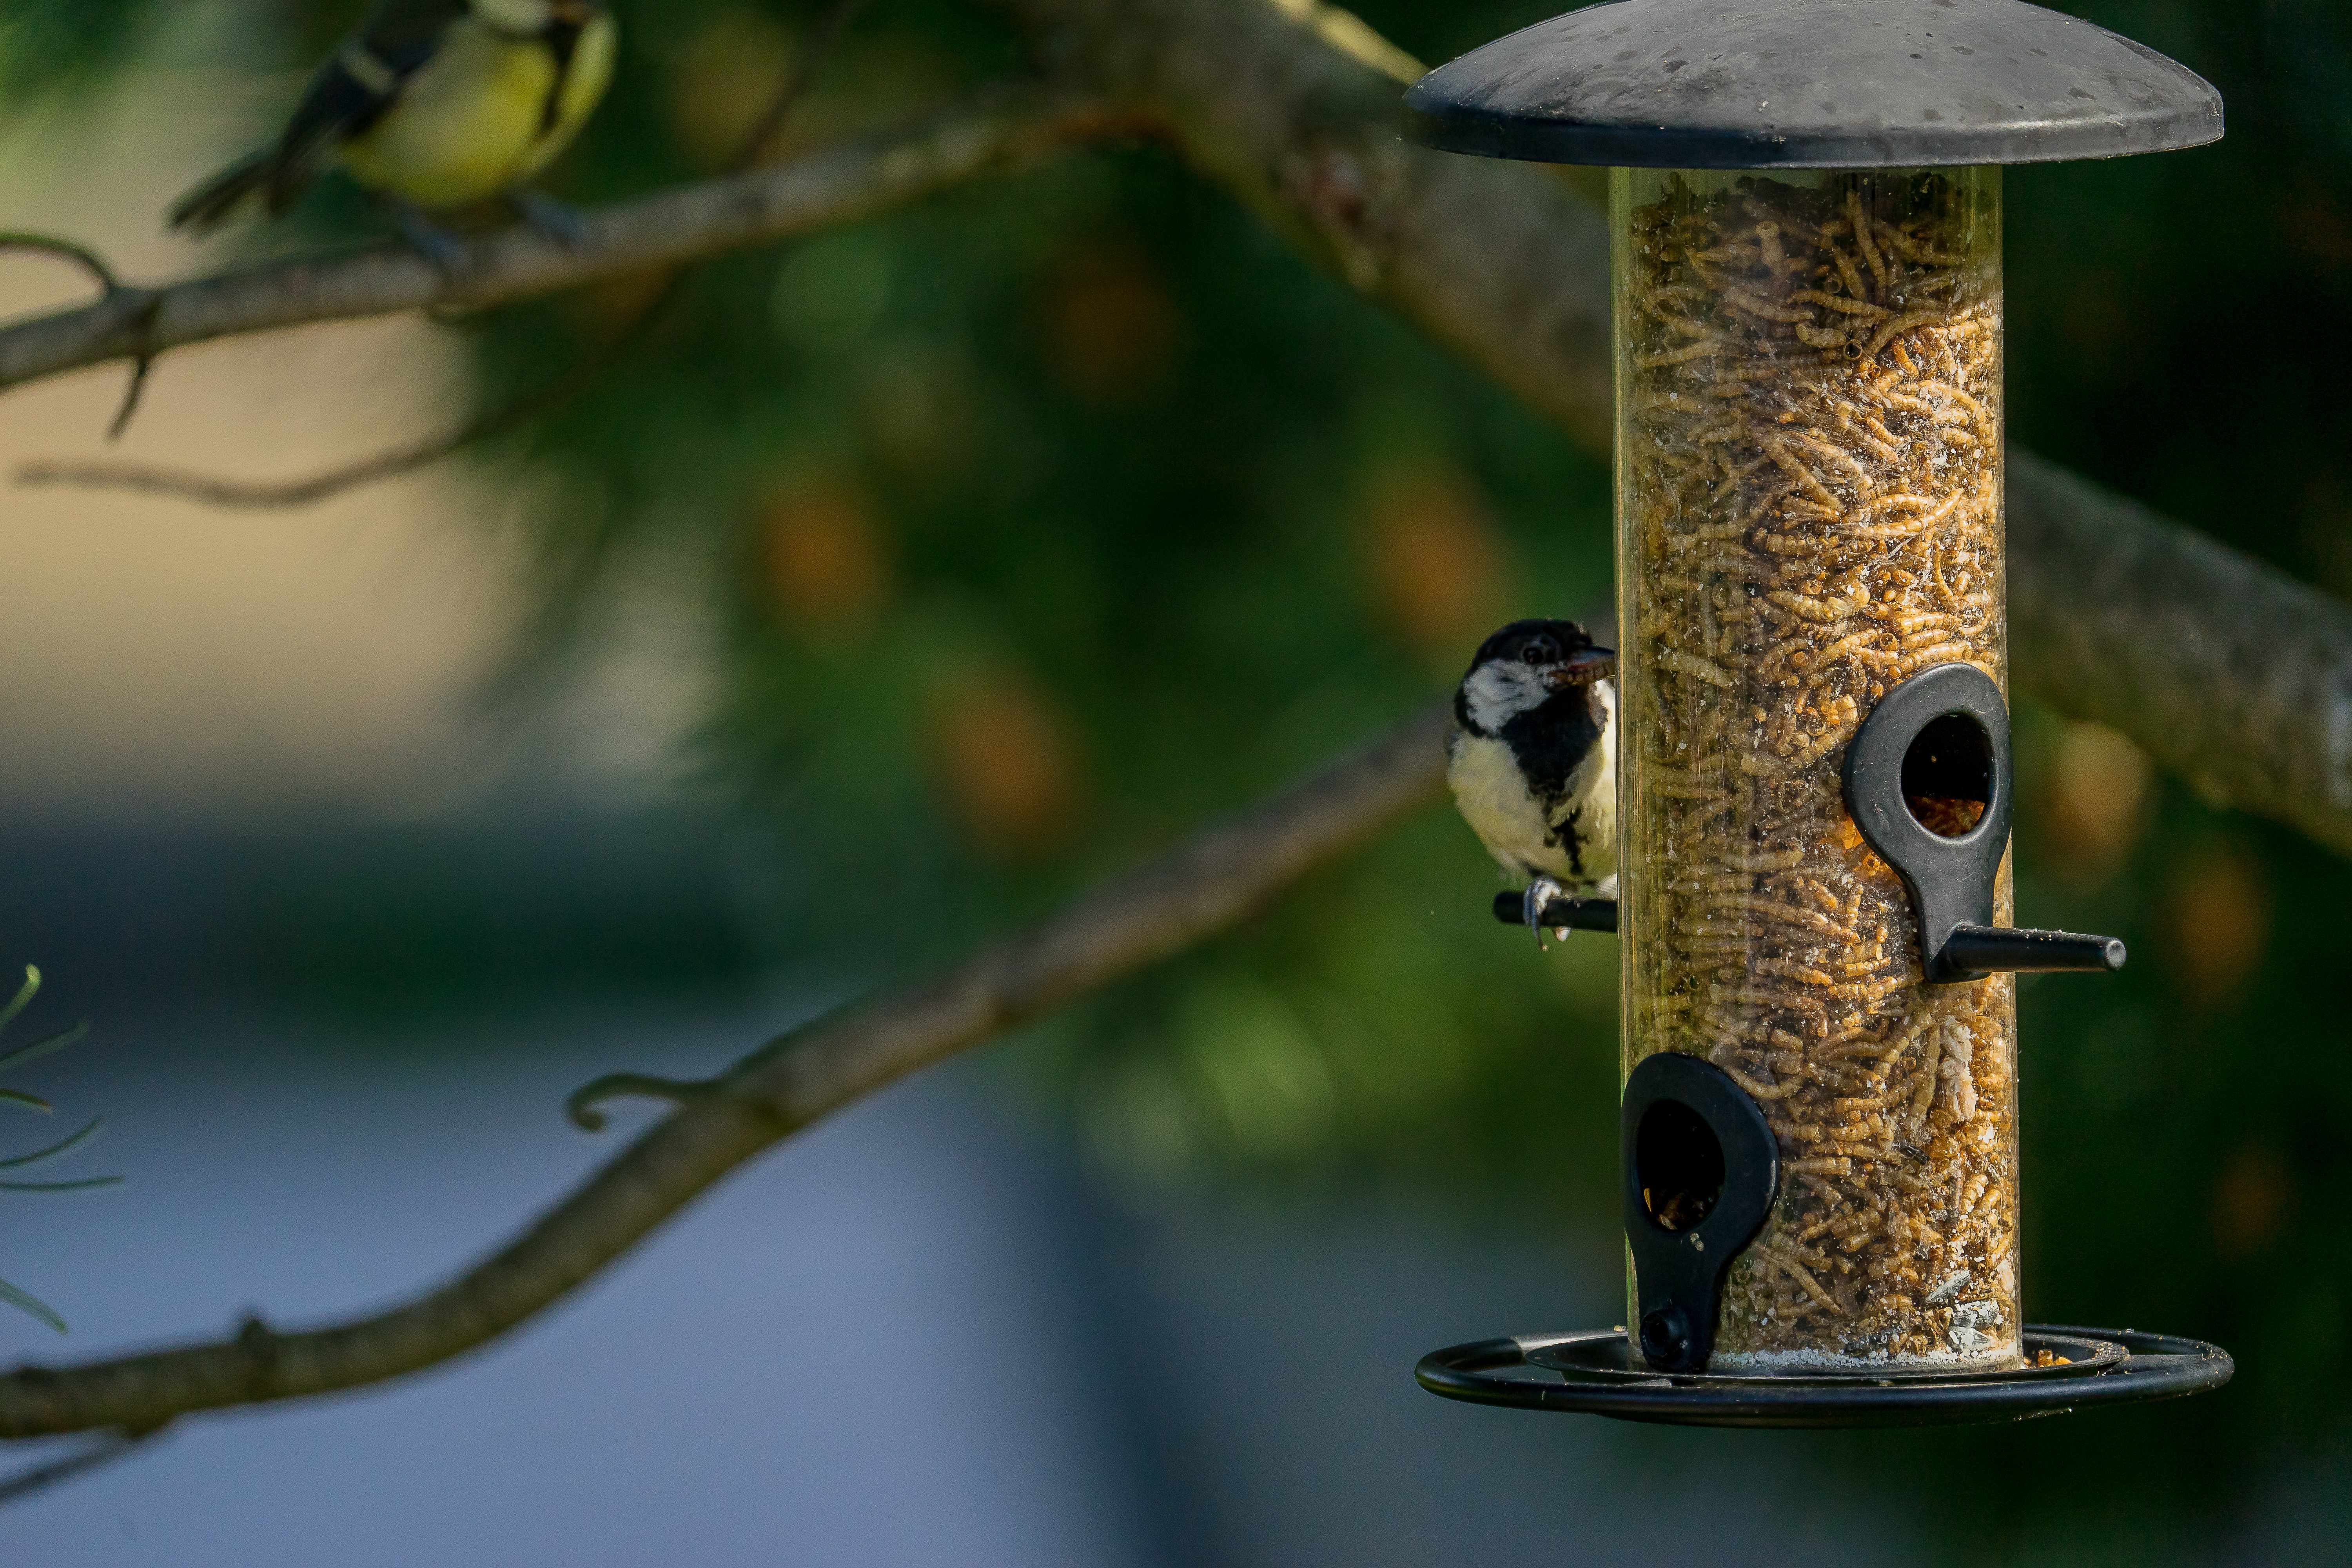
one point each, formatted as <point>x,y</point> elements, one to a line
<point>1590,1371</point>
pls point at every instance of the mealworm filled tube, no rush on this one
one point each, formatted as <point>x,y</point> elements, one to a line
<point>1808,473</point>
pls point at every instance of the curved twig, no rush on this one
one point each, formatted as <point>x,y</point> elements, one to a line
<point>103,1451</point>
<point>226,490</point>
<point>141,365</point>
<point>80,255</point>
<point>1209,882</point>
<point>14,1295</point>
<point>32,1306</point>
<point>584,1105</point>
<point>139,304</point>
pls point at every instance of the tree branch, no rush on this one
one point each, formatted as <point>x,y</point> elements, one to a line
<point>228,491</point>
<point>111,293</point>
<point>2233,675</point>
<point>2228,671</point>
<point>840,184</point>
<point>1203,886</point>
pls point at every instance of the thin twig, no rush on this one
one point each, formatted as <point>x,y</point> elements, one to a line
<point>586,1105</point>
<point>136,388</point>
<point>996,131</point>
<point>1210,882</point>
<point>99,1452</point>
<point>140,303</point>
<point>80,255</point>
<point>225,490</point>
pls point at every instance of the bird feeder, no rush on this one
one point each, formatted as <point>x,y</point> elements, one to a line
<point>1819,1117</point>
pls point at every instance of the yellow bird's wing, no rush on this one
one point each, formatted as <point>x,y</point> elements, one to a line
<point>586,70</point>
<point>487,111</point>
<point>346,96</point>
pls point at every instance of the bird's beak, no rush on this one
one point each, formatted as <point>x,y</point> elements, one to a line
<point>1592,664</point>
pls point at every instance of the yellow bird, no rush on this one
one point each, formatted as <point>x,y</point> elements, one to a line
<point>434,104</point>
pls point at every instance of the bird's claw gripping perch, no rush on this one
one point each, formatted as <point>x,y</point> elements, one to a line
<point>566,225</point>
<point>1549,907</point>
<point>1535,900</point>
<point>448,252</point>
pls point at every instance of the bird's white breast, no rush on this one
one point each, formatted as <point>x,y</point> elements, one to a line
<point>1492,794</point>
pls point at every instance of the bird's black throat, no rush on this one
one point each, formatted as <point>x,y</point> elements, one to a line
<point>1552,739</point>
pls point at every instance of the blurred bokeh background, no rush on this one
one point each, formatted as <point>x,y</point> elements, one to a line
<point>952,560</point>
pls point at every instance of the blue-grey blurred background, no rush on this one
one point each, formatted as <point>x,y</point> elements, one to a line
<point>968,555</point>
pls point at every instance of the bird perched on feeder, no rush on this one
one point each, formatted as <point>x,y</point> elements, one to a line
<point>1532,758</point>
<point>433,105</point>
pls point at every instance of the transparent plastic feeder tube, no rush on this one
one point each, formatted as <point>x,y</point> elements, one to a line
<point>1809,506</point>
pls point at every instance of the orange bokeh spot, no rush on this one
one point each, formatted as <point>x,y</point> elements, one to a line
<point>1006,761</point>
<point>1113,330</point>
<point>2251,1201</point>
<point>1436,562</point>
<point>2217,923</point>
<point>2095,801</point>
<point>826,559</point>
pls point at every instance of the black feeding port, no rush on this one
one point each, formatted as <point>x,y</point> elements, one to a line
<point>1947,775</point>
<point>1678,1160</point>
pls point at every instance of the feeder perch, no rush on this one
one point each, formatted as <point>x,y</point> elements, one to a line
<point>1819,1117</point>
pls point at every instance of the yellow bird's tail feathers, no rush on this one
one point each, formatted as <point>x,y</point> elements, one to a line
<point>215,201</point>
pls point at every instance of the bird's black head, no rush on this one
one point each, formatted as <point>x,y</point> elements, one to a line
<point>1523,665</point>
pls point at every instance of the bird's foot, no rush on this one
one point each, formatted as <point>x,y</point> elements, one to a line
<point>564,224</point>
<point>448,251</point>
<point>1541,892</point>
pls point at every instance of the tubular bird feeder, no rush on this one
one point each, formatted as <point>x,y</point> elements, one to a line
<point>1818,1128</point>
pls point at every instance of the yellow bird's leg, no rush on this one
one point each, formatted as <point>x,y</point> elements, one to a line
<point>446,251</point>
<point>559,221</point>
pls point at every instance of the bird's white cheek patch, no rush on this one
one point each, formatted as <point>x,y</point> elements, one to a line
<point>1499,693</point>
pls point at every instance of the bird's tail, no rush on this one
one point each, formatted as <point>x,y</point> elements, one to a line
<point>215,201</point>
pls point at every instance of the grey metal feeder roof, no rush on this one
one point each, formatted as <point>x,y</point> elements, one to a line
<point>1740,84</point>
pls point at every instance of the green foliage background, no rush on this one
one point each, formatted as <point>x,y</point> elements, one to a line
<point>1043,521</point>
